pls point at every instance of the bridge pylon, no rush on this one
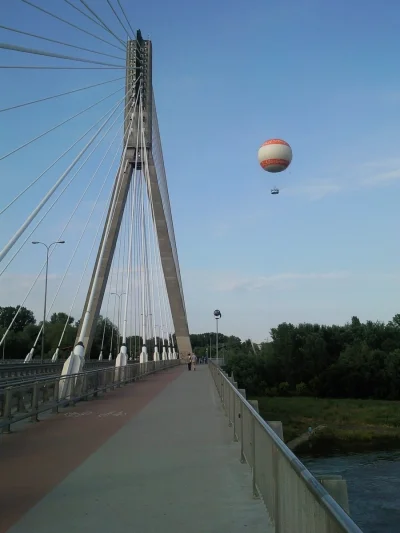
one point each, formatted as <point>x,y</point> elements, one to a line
<point>137,152</point>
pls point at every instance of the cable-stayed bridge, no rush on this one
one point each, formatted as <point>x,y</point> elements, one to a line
<point>86,191</point>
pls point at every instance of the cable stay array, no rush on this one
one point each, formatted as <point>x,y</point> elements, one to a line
<point>65,178</point>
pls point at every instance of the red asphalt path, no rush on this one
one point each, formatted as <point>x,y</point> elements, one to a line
<point>37,458</point>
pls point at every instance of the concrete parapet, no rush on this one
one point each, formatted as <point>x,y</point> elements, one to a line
<point>337,488</point>
<point>254,404</point>
<point>277,426</point>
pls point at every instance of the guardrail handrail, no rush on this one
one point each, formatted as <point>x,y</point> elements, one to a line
<point>29,398</point>
<point>33,378</point>
<point>333,509</point>
<point>19,369</point>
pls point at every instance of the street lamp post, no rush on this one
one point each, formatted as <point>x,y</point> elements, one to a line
<point>119,317</point>
<point>45,288</point>
<point>217,315</point>
<point>158,333</point>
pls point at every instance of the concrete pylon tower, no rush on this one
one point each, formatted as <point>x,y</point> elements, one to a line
<point>138,82</point>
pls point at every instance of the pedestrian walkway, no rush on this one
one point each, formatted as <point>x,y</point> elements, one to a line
<point>154,456</point>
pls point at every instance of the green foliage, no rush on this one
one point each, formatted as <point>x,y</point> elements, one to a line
<point>344,419</point>
<point>284,388</point>
<point>22,336</point>
<point>351,361</point>
<point>302,389</point>
<point>23,319</point>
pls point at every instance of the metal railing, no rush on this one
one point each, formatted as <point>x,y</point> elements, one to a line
<point>17,368</point>
<point>28,400</point>
<point>295,500</point>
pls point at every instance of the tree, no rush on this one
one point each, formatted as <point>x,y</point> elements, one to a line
<point>356,360</point>
<point>23,319</point>
<point>61,318</point>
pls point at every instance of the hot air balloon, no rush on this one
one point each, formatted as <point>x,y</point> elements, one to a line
<point>275,155</point>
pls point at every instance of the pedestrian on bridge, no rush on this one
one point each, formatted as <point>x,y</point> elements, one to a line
<point>189,362</point>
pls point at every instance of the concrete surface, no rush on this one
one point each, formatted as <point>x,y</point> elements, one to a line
<point>172,467</point>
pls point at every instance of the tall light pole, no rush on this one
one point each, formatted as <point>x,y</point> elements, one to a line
<point>158,337</point>
<point>119,316</point>
<point>47,246</point>
<point>217,315</point>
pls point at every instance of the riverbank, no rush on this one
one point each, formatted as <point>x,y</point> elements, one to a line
<point>350,425</point>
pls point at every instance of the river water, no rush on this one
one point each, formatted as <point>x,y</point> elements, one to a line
<point>373,483</point>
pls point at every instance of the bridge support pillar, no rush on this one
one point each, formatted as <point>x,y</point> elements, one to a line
<point>164,353</point>
<point>29,357</point>
<point>120,364</point>
<point>73,365</point>
<point>143,355</point>
<point>122,357</point>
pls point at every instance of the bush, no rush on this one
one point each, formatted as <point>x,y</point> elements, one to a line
<point>284,388</point>
<point>302,389</point>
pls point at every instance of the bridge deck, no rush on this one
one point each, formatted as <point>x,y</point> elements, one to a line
<point>153,456</point>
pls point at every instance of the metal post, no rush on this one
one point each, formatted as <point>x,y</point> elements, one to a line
<point>45,289</point>
<point>253,453</point>
<point>45,302</point>
<point>118,317</point>
<point>119,323</point>
<point>217,315</point>
<point>216,339</point>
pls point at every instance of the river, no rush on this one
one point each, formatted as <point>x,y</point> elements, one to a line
<point>373,483</point>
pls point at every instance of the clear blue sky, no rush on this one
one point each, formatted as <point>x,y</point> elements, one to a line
<point>228,76</point>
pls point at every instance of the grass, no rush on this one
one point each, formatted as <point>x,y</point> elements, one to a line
<point>351,425</point>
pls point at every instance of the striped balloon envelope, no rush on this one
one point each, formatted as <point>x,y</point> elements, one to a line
<point>275,155</point>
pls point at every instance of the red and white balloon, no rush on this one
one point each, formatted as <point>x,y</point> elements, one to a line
<point>275,155</point>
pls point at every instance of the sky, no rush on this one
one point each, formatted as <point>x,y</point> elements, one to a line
<point>227,76</point>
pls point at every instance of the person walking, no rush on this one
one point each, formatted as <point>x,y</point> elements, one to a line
<point>194,361</point>
<point>189,362</point>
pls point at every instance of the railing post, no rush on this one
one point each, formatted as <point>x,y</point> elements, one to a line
<point>35,401</point>
<point>96,385</point>
<point>229,406</point>
<point>253,453</point>
<point>235,439</point>
<point>21,403</point>
<point>84,387</point>
<point>56,395</point>
<point>242,458</point>
<point>275,474</point>
<point>8,409</point>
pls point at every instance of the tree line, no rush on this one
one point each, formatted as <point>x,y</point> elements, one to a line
<point>356,360</point>
<point>25,329</point>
